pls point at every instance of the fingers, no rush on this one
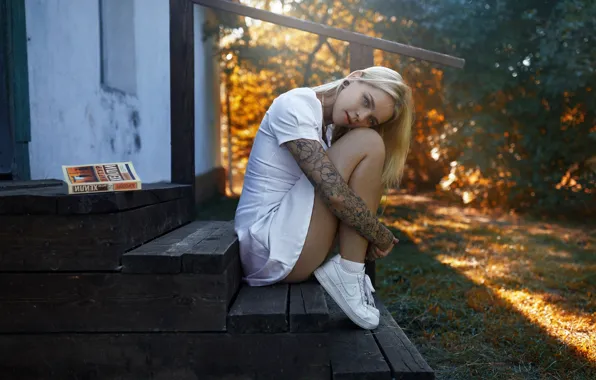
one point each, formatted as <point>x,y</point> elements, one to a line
<point>374,253</point>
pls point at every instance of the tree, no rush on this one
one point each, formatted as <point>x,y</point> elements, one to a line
<point>518,116</point>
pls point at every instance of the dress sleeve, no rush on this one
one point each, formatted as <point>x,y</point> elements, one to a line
<point>293,118</point>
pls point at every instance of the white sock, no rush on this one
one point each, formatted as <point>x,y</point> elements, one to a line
<point>351,266</point>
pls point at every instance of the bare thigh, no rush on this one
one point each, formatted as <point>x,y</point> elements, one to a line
<point>345,154</point>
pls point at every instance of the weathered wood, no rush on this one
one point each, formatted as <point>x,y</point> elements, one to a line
<point>212,253</point>
<point>354,353</point>
<point>93,302</point>
<point>164,254</point>
<point>56,200</point>
<point>199,247</point>
<point>164,356</point>
<point>308,308</point>
<point>182,92</point>
<point>332,32</point>
<point>12,185</point>
<point>260,310</point>
<point>402,356</point>
<point>92,242</point>
<point>361,57</point>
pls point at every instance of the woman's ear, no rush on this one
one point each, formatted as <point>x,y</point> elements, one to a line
<point>356,74</point>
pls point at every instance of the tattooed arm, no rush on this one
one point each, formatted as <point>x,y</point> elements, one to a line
<point>341,200</point>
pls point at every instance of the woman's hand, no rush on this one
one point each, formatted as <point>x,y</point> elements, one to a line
<point>373,252</point>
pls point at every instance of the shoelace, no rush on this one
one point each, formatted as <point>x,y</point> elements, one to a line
<point>367,289</point>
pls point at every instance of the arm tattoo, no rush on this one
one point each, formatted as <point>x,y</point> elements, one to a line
<point>341,200</point>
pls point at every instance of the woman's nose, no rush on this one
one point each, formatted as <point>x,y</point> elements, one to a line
<point>362,114</point>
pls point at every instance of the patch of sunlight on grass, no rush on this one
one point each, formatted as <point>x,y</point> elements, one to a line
<point>492,297</point>
<point>455,225</point>
<point>574,329</point>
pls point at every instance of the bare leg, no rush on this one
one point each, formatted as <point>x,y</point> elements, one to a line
<point>359,157</point>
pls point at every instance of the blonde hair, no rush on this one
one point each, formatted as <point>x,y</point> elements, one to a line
<point>397,131</point>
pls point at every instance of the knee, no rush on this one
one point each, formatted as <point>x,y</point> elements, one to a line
<point>369,141</point>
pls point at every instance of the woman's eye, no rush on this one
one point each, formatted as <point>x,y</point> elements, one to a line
<point>365,101</point>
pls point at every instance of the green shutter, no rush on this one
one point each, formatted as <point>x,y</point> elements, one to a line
<point>14,38</point>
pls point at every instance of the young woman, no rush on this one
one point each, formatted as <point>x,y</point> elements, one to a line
<point>317,169</point>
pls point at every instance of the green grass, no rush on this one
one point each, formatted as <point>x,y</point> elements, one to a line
<point>486,297</point>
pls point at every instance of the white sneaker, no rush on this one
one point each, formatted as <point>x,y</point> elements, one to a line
<point>351,291</point>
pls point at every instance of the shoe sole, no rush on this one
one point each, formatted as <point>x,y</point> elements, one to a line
<point>341,302</point>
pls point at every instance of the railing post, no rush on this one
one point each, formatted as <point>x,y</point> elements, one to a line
<point>361,57</point>
<point>182,93</point>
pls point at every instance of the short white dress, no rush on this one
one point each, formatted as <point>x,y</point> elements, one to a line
<point>277,199</point>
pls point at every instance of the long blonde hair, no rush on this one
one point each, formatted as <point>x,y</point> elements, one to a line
<point>397,131</point>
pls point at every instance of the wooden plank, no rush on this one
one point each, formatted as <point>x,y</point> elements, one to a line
<point>83,242</point>
<point>182,84</point>
<point>56,200</point>
<point>260,310</point>
<point>164,356</point>
<point>152,193</point>
<point>308,308</point>
<point>213,253</point>
<point>354,353</point>
<point>13,185</point>
<point>402,356</point>
<point>116,302</point>
<point>40,201</point>
<point>164,254</point>
<point>199,247</point>
<point>332,32</point>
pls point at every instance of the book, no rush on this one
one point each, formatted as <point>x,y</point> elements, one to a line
<point>96,178</point>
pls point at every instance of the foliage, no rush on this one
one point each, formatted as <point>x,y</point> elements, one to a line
<point>513,129</point>
<point>520,119</point>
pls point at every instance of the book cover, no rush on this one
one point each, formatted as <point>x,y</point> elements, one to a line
<point>95,178</point>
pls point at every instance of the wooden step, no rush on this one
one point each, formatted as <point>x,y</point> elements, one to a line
<point>383,353</point>
<point>297,308</point>
<point>183,281</point>
<point>44,229</point>
<point>402,356</point>
<point>164,356</point>
<point>354,353</point>
<point>252,349</point>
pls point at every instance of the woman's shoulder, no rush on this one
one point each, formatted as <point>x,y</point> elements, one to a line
<point>300,95</point>
<point>298,100</point>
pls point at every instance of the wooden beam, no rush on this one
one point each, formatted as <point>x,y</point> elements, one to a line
<point>182,93</point>
<point>361,57</point>
<point>331,32</point>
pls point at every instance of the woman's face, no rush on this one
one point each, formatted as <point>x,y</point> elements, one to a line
<point>360,105</point>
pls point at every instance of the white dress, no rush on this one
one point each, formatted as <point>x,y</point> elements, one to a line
<point>277,199</point>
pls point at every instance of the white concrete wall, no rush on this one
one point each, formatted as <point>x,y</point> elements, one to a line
<point>207,115</point>
<point>75,120</point>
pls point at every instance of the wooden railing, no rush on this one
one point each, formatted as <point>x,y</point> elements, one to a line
<point>182,69</point>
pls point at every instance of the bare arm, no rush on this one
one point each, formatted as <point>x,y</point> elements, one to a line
<point>341,200</point>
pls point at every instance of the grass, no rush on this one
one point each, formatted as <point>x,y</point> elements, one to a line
<point>486,296</point>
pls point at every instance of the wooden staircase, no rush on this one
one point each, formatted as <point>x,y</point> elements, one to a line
<point>127,286</point>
